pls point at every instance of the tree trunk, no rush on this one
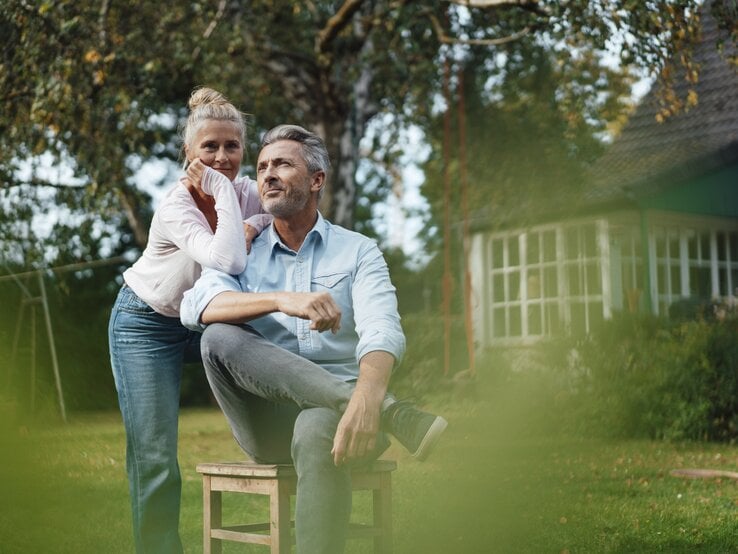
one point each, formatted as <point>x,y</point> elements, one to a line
<point>342,138</point>
<point>132,207</point>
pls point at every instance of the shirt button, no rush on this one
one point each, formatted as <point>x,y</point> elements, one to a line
<point>299,260</point>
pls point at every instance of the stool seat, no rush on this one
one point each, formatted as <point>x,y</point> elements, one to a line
<point>279,483</point>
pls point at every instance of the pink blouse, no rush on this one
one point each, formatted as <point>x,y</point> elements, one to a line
<point>181,240</point>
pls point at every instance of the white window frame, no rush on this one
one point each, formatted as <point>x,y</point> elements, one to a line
<point>685,227</point>
<point>495,302</point>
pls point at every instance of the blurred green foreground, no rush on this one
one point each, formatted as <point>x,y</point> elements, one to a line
<point>505,479</point>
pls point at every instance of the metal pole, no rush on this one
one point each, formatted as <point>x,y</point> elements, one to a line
<point>447,282</point>
<point>16,339</point>
<point>52,346</point>
<point>33,359</point>
<point>468,321</point>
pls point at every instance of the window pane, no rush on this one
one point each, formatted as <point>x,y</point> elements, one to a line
<point>734,275</point>
<point>628,276</point>
<point>497,253</point>
<point>704,246</point>
<point>577,318</point>
<point>660,245</point>
<point>534,319</point>
<point>676,280</point>
<point>513,286</point>
<point>550,282</point>
<point>516,329</point>
<point>572,243</point>
<point>595,316</point>
<point>513,251</point>
<point>534,284</point>
<point>589,236</point>
<point>674,246</point>
<point>733,247</point>
<point>661,279</point>
<point>699,282</point>
<point>626,246</point>
<point>692,245</point>
<point>575,288</point>
<point>498,287</point>
<point>594,284</point>
<point>723,282</point>
<point>534,249</point>
<point>549,246</point>
<point>552,319</point>
<point>722,251</point>
<point>498,322</point>
<point>639,276</point>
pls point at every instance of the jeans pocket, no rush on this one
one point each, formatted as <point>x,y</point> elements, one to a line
<point>129,302</point>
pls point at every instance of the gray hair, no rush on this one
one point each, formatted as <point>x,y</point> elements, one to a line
<point>206,104</point>
<point>313,147</point>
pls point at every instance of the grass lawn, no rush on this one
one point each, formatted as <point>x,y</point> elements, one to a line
<point>504,480</point>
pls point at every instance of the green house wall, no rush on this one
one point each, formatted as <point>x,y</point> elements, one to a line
<point>714,194</point>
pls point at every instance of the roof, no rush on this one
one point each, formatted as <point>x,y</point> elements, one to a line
<point>648,155</point>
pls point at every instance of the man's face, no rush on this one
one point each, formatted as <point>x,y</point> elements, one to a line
<point>285,183</point>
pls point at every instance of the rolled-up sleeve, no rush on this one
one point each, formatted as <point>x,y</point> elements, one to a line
<point>210,284</point>
<point>375,306</point>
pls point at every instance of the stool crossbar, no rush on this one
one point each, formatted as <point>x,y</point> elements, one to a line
<point>279,483</point>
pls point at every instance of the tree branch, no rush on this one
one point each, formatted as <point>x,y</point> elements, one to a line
<point>336,24</point>
<point>211,27</point>
<point>445,39</point>
<point>102,23</point>
<point>38,183</point>
<point>494,3</point>
<point>530,5</point>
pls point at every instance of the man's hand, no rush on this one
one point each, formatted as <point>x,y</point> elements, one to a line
<point>251,233</point>
<point>356,434</point>
<point>318,307</point>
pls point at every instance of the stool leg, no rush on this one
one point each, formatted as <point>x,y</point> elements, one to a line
<point>212,516</point>
<point>382,507</point>
<point>279,517</point>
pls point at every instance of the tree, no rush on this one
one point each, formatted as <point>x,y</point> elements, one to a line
<point>100,84</point>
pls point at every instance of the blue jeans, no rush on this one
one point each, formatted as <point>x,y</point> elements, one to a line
<point>283,408</point>
<point>147,352</point>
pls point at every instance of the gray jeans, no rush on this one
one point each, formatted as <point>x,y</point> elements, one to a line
<point>283,408</point>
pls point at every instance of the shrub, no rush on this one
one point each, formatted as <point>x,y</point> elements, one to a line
<point>645,377</point>
<point>421,370</point>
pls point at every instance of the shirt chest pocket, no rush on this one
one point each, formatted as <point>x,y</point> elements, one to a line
<point>335,283</point>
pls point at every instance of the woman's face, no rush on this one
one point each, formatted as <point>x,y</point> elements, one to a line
<point>218,145</point>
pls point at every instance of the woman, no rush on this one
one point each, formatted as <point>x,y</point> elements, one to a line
<point>199,223</point>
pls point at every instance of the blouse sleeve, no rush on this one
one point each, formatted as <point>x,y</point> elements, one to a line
<point>187,228</point>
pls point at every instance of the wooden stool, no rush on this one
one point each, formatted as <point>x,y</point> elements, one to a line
<point>279,482</point>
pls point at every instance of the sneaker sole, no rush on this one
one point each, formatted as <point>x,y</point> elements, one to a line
<point>430,439</point>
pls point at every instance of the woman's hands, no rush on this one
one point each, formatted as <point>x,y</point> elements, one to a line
<point>251,233</point>
<point>195,170</point>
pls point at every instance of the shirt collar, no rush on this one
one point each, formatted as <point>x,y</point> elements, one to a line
<point>319,229</point>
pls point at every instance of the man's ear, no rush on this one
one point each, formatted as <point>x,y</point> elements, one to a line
<point>318,181</point>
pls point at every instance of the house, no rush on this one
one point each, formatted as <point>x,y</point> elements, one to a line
<point>658,225</point>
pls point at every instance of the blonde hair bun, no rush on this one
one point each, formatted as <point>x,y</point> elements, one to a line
<point>207,104</point>
<point>202,96</point>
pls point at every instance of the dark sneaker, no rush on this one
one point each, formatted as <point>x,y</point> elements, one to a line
<point>416,430</point>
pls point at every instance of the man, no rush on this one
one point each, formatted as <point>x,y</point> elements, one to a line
<point>305,382</point>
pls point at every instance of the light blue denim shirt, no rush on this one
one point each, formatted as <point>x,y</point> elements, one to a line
<point>346,264</point>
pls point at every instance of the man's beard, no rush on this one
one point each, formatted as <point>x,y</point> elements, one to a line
<point>290,203</point>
